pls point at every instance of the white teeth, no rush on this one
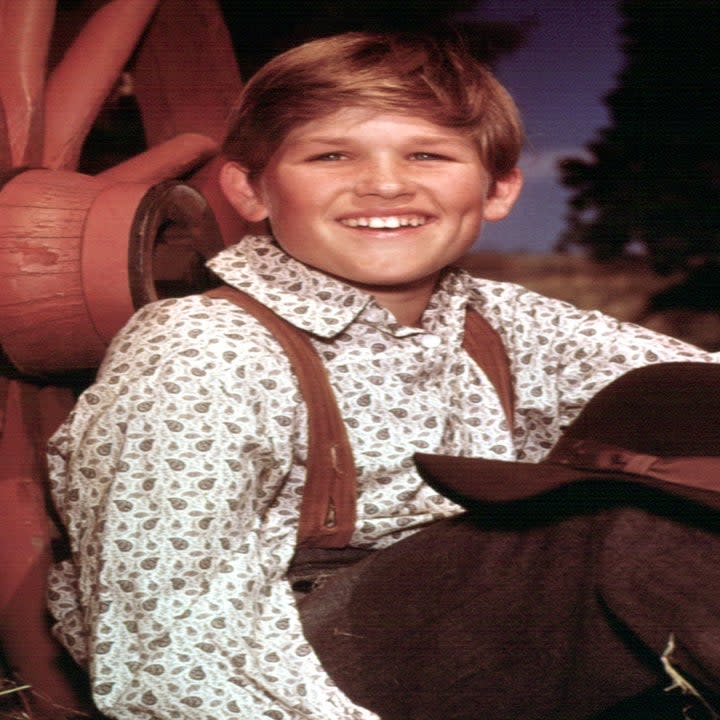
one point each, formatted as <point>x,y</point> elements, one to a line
<point>390,222</point>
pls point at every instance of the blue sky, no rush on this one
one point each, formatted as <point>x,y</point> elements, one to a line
<point>558,79</point>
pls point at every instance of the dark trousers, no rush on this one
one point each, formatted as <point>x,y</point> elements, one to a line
<point>557,608</point>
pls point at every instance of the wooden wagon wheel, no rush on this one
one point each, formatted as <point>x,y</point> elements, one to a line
<point>56,314</point>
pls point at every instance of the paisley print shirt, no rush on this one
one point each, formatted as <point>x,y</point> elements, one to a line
<point>179,473</point>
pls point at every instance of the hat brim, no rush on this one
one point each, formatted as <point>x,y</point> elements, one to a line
<point>471,481</point>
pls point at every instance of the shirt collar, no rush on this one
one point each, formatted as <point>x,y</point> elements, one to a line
<point>321,304</point>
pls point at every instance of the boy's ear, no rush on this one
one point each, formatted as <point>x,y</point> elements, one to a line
<point>241,193</point>
<point>503,194</point>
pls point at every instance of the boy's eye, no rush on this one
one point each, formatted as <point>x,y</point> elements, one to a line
<point>428,156</point>
<point>328,156</point>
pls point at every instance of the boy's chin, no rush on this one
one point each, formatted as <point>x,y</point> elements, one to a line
<point>390,283</point>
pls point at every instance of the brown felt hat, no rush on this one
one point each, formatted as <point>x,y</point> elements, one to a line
<point>656,426</point>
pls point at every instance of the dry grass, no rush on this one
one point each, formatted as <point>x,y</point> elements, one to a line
<point>21,702</point>
<point>621,289</point>
<point>12,705</point>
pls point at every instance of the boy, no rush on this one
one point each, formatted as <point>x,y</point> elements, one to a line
<point>179,475</point>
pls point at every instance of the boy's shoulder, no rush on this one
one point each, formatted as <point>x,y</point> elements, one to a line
<point>503,302</point>
<point>191,319</point>
<point>485,292</point>
<point>195,331</point>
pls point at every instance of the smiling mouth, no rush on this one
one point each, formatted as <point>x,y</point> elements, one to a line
<point>390,222</point>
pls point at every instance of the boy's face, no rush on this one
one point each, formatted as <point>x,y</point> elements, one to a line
<point>383,201</point>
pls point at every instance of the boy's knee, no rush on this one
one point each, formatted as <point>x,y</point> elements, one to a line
<point>659,577</point>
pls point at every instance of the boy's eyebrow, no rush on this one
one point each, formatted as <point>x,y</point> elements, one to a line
<point>320,140</point>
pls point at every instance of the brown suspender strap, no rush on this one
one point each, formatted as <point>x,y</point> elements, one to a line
<point>484,346</point>
<point>328,508</point>
<point>327,511</point>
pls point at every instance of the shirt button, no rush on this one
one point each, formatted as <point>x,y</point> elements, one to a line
<point>430,342</point>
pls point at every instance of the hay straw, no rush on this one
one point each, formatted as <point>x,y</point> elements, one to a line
<point>679,681</point>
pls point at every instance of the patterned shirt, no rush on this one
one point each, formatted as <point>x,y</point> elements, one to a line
<point>179,473</point>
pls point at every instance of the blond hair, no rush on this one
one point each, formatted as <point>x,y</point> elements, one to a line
<point>435,79</point>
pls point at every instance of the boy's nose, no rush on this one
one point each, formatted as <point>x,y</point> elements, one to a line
<point>384,179</point>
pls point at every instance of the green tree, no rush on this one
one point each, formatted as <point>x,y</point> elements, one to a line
<point>652,182</point>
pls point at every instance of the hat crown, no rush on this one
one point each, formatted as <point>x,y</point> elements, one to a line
<point>669,409</point>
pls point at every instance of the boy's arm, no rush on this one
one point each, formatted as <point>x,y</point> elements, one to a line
<point>577,352</point>
<point>560,356</point>
<point>613,348</point>
<point>166,485</point>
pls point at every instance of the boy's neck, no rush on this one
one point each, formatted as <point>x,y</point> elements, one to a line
<point>407,304</point>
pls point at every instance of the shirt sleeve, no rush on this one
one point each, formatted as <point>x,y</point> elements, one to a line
<point>165,476</point>
<point>562,356</point>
